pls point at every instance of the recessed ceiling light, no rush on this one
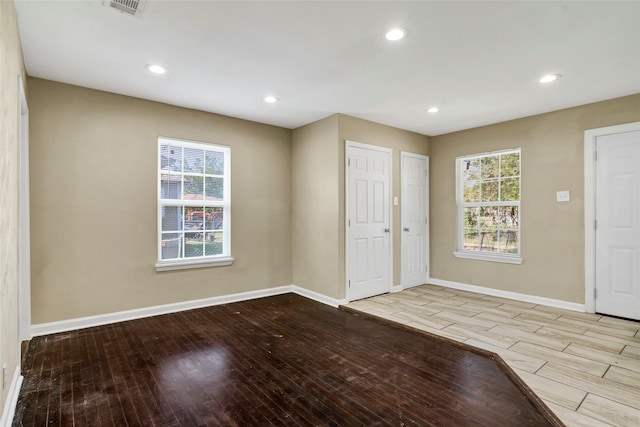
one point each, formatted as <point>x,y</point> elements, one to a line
<point>156,69</point>
<point>395,34</point>
<point>433,110</point>
<point>271,99</point>
<point>549,78</point>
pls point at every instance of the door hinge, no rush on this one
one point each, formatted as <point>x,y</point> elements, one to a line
<point>349,162</point>
<point>595,292</point>
<point>595,224</point>
<point>426,268</point>
<point>349,223</point>
<point>595,156</point>
<point>349,283</point>
<point>426,220</point>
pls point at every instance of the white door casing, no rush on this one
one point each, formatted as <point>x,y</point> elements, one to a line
<point>414,213</point>
<point>368,211</point>
<point>24,233</point>
<point>618,224</point>
<point>612,201</point>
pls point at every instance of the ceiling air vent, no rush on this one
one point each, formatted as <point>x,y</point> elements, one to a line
<point>130,7</point>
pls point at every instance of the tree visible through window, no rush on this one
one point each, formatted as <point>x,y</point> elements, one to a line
<point>489,203</point>
<point>193,200</point>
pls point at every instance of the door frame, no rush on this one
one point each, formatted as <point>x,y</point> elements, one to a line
<point>347,145</point>
<point>403,156</point>
<point>590,138</point>
<point>24,217</point>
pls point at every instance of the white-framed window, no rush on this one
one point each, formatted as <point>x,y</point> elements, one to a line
<point>488,203</point>
<point>194,202</point>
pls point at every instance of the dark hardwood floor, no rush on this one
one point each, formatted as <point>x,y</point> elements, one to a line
<point>283,360</point>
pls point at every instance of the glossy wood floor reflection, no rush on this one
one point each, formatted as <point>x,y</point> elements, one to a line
<point>282,360</point>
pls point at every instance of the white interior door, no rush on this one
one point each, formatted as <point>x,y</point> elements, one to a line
<point>414,205</point>
<point>368,221</point>
<point>618,224</point>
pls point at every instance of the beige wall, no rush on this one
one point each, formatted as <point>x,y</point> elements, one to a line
<point>11,66</point>
<point>318,196</point>
<point>315,212</point>
<point>93,166</point>
<point>366,132</point>
<point>552,239</point>
<point>93,203</point>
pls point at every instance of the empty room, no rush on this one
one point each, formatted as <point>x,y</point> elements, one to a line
<point>346,213</point>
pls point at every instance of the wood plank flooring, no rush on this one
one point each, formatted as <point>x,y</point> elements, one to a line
<point>282,360</point>
<point>586,367</point>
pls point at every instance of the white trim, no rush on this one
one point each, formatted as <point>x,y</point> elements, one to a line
<point>121,316</point>
<point>488,153</point>
<point>510,295</point>
<point>398,288</point>
<point>225,204</point>
<point>427,260</point>
<point>480,256</point>
<point>346,221</point>
<point>461,204</point>
<point>413,286</point>
<point>590,137</point>
<point>428,224</point>
<point>190,143</point>
<point>317,296</point>
<point>24,228</point>
<point>185,263</point>
<point>12,399</point>
<point>348,144</point>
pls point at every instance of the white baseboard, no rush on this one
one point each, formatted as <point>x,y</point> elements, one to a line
<point>403,287</point>
<point>317,296</point>
<point>121,316</point>
<point>12,399</point>
<point>397,288</point>
<point>510,295</point>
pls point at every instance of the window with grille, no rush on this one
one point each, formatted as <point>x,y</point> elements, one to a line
<point>193,204</point>
<point>488,201</point>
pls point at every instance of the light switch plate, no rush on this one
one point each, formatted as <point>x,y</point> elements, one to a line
<point>563,196</point>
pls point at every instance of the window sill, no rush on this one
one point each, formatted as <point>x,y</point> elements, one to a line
<point>187,264</point>
<point>509,259</point>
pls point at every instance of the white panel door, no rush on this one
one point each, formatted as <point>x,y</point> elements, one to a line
<point>414,206</point>
<point>618,224</point>
<point>368,222</point>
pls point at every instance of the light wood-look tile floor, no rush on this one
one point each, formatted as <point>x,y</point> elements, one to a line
<point>586,367</point>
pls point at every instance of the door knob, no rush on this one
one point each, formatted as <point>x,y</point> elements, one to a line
<point>386,230</point>
<point>406,229</point>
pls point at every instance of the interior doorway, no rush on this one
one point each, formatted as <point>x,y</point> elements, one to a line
<point>612,220</point>
<point>368,221</point>
<point>414,240</point>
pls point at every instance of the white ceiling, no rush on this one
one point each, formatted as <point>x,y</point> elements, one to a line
<point>478,61</point>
